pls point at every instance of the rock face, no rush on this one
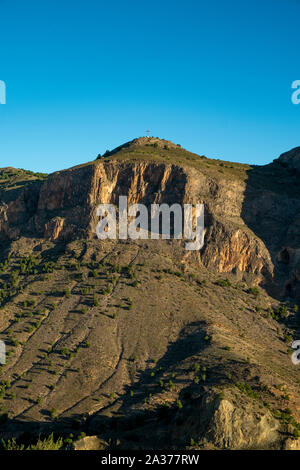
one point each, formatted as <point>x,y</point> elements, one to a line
<point>292,444</point>
<point>90,443</point>
<point>64,208</point>
<point>233,426</point>
<point>17,208</point>
<point>229,422</point>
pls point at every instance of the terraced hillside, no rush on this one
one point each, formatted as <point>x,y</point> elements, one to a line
<point>139,341</point>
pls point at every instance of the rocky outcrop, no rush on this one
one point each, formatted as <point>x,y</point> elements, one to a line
<point>237,427</point>
<point>232,421</point>
<point>17,208</point>
<point>291,444</point>
<point>90,443</point>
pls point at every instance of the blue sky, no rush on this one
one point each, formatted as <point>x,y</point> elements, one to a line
<point>86,76</point>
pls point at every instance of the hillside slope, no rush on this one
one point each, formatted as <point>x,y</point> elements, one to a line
<point>139,341</point>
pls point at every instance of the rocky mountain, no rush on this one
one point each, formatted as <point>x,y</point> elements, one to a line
<point>141,342</point>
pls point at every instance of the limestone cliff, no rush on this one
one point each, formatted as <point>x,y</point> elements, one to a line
<point>251,227</point>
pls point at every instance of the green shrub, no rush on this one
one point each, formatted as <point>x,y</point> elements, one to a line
<point>223,282</point>
<point>67,293</point>
<point>95,301</point>
<point>281,312</point>
<point>254,291</point>
<point>53,413</point>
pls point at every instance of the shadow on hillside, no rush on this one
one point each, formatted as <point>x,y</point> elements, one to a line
<point>191,342</point>
<point>271,202</point>
<point>134,424</point>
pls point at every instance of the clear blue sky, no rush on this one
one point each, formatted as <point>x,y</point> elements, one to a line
<point>84,76</point>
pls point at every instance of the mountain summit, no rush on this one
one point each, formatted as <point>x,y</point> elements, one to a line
<point>291,159</point>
